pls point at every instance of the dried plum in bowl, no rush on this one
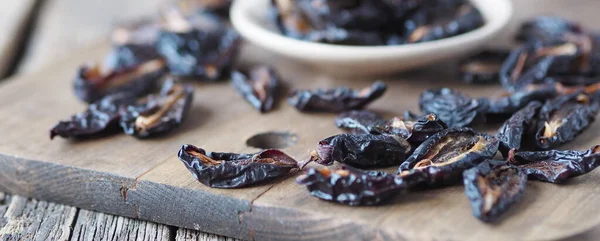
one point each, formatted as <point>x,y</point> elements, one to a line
<point>253,19</point>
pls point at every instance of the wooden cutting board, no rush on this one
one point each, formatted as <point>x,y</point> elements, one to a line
<point>144,179</point>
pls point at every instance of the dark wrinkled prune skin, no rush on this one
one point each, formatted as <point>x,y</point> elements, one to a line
<point>374,22</point>
<point>101,117</point>
<point>518,100</point>
<point>415,130</point>
<point>579,115</point>
<point>235,170</point>
<point>128,56</point>
<point>358,121</point>
<point>170,120</point>
<point>532,75</point>
<point>556,166</point>
<point>358,187</point>
<point>425,127</point>
<point>453,108</point>
<point>336,100</point>
<point>537,68</point>
<point>201,54</point>
<point>357,15</point>
<point>483,68</point>
<point>546,28</point>
<point>363,150</point>
<point>449,173</point>
<point>466,22</point>
<point>516,132</point>
<point>90,92</point>
<point>389,128</point>
<point>510,180</point>
<point>244,82</point>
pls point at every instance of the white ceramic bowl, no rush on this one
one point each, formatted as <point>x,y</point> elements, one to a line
<point>250,19</point>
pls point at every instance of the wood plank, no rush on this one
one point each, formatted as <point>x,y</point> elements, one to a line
<point>99,226</point>
<point>192,235</point>
<point>66,25</point>
<point>13,19</point>
<point>37,220</point>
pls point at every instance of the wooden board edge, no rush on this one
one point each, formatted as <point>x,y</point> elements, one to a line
<point>123,196</point>
<point>192,209</point>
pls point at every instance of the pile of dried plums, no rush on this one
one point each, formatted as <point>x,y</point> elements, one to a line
<point>552,87</point>
<point>552,94</point>
<point>375,22</point>
<point>138,89</point>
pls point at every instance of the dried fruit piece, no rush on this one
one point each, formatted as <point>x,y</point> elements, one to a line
<point>199,54</point>
<point>230,170</point>
<point>158,114</point>
<point>374,22</point>
<point>533,63</point>
<point>483,68</point>
<point>258,86</point>
<point>290,20</point>
<point>93,83</point>
<point>336,100</point>
<point>515,133</point>
<point>492,187</point>
<point>556,166</point>
<point>547,28</point>
<point>358,121</point>
<point>416,131</point>
<point>512,102</point>
<point>465,19</point>
<point>452,107</point>
<point>128,56</point>
<point>206,52</point>
<point>362,150</point>
<point>101,117</point>
<point>444,156</point>
<point>354,187</point>
<point>563,118</point>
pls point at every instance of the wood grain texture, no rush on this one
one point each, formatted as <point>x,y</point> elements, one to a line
<point>67,25</point>
<point>192,235</point>
<point>13,18</point>
<point>36,220</point>
<point>99,226</point>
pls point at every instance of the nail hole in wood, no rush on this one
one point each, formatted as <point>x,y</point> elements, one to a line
<point>272,140</point>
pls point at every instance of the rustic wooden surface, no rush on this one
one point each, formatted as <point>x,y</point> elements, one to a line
<point>36,220</point>
<point>90,24</point>
<point>125,176</point>
<point>64,26</point>
<point>99,226</point>
<point>13,18</point>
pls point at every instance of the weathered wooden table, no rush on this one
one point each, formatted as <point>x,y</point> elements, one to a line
<point>34,33</point>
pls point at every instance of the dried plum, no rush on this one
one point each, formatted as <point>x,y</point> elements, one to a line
<point>492,187</point>
<point>337,99</point>
<point>230,170</point>
<point>445,155</point>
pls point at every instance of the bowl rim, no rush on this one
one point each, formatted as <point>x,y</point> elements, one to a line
<point>250,29</point>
